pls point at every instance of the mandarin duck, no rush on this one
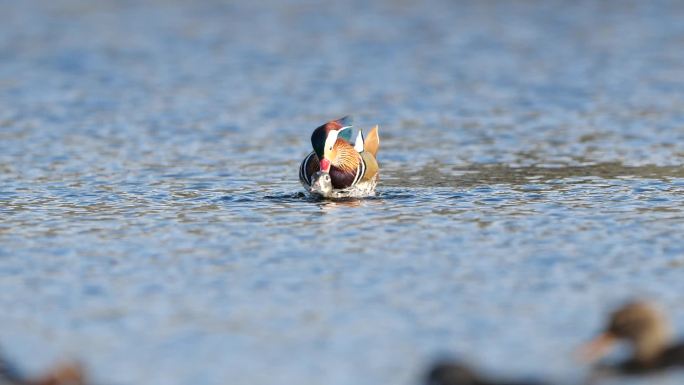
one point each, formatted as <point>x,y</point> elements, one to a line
<point>335,167</point>
<point>647,331</point>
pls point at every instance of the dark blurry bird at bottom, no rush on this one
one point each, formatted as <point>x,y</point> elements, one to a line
<point>646,329</point>
<point>458,373</point>
<point>65,374</point>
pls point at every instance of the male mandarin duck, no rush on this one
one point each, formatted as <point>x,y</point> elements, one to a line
<point>337,168</point>
<point>646,329</point>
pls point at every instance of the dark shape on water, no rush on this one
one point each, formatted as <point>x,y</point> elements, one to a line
<point>458,373</point>
<point>290,197</point>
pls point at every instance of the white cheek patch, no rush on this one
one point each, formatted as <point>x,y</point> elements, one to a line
<point>331,139</point>
<point>358,144</point>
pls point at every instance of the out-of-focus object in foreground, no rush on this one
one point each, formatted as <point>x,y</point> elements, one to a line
<point>646,329</point>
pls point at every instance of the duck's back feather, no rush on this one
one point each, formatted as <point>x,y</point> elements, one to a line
<point>671,357</point>
<point>674,355</point>
<point>370,166</point>
<point>372,142</point>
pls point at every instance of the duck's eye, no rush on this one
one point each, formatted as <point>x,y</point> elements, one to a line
<point>327,177</point>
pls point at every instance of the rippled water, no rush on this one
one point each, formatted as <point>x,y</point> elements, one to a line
<point>152,224</point>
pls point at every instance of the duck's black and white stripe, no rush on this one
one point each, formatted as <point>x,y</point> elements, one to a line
<point>302,170</point>
<point>305,178</point>
<point>360,170</point>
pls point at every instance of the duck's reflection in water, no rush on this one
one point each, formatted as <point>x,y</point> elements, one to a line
<point>332,205</point>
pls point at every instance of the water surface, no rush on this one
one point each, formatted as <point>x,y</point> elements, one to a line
<point>152,224</point>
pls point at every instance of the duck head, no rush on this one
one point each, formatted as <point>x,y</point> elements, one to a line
<point>638,323</point>
<point>323,139</point>
<point>321,183</point>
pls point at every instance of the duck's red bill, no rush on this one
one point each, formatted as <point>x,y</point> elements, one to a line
<point>325,165</point>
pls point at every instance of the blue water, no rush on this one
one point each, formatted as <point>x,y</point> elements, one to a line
<point>152,225</point>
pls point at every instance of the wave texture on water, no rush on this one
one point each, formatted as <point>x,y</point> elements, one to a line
<point>152,224</point>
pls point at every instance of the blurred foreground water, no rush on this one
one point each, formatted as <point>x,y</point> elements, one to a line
<point>150,217</point>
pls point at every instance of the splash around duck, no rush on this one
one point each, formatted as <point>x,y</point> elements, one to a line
<point>321,186</point>
<point>336,168</point>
